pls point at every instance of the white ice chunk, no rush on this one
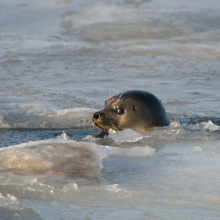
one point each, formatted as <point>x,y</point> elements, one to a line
<point>210,126</point>
<point>127,135</point>
<point>58,156</point>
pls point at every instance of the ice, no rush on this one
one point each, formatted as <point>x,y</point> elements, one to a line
<point>114,188</point>
<point>197,150</point>
<point>10,202</point>
<point>70,186</point>
<point>63,136</point>
<point>203,127</point>
<point>128,135</point>
<point>32,117</point>
<point>59,62</point>
<point>210,126</point>
<point>133,152</point>
<point>54,157</point>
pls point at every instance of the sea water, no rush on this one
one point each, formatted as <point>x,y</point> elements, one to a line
<point>60,60</point>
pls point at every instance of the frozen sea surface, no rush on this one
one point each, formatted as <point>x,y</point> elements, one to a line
<point>60,60</point>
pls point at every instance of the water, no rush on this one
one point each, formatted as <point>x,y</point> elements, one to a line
<point>60,60</point>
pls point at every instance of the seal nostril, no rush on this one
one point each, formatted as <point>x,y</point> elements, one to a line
<point>96,116</point>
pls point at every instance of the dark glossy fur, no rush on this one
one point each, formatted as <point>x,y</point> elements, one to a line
<point>142,111</point>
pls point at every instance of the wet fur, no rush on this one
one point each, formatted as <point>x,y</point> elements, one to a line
<point>142,111</point>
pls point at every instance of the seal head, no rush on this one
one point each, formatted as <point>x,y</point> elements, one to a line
<point>132,109</point>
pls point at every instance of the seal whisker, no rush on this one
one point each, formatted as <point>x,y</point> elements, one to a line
<point>107,123</point>
<point>115,126</point>
<point>112,126</point>
<point>103,125</point>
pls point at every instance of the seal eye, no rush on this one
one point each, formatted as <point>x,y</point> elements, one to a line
<point>119,110</point>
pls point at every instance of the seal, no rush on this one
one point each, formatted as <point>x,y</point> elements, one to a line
<point>132,109</point>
